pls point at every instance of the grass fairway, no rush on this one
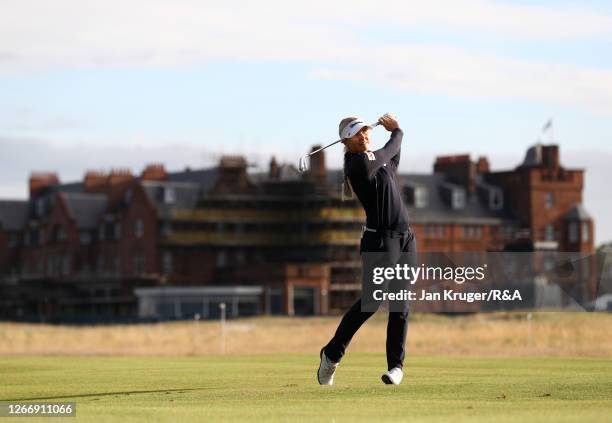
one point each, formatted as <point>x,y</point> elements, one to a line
<point>282,387</point>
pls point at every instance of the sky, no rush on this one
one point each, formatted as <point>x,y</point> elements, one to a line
<point>104,84</point>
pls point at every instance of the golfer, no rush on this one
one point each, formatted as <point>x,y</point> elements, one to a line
<point>372,176</point>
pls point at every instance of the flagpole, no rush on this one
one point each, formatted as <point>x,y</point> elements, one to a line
<point>552,131</point>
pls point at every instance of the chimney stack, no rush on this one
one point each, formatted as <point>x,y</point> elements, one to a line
<point>41,180</point>
<point>232,176</point>
<point>274,172</point>
<point>458,170</point>
<point>96,181</point>
<point>317,171</point>
<point>154,172</point>
<point>482,166</point>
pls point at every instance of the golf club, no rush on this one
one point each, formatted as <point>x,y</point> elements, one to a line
<point>304,163</point>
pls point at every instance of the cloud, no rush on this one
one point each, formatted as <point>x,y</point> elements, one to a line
<point>330,37</point>
<point>436,69</point>
<point>157,32</point>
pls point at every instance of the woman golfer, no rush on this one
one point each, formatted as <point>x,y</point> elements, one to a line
<point>371,175</point>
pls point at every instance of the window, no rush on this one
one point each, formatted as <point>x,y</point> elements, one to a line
<point>169,195</point>
<point>420,197</point>
<point>100,264</point>
<point>117,230</point>
<point>221,259</point>
<point>65,264</point>
<point>572,232</point>
<point>549,232</point>
<point>85,238</point>
<point>585,232</point>
<point>471,231</point>
<point>49,265</point>
<point>496,199</point>
<point>116,265</point>
<point>139,263</point>
<point>139,228</point>
<point>34,237</point>
<point>166,229</point>
<point>507,231</point>
<point>40,207</point>
<point>458,199</point>
<point>549,200</point>
<point>59,234</point>
<point>434,231</point>
<point>167,262</point>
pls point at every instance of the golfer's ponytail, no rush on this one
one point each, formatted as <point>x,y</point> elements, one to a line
<point>347,189</point>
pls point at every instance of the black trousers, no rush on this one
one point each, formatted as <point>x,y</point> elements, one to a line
<point>397,326</point>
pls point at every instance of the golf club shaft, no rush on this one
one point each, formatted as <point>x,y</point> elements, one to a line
<point>336,142</point>
<point>323,148</point>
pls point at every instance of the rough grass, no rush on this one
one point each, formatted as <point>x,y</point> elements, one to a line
<point>502,334</point>
<point>282,387</point>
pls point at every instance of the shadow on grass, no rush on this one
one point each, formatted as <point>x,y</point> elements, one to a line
<point>104,394</point>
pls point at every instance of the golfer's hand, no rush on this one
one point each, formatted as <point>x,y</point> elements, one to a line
<point>389,122</point>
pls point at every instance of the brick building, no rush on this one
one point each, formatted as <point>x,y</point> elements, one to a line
<point>175,244</point>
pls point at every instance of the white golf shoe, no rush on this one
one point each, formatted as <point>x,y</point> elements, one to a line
<point>393,376</point>
<point>327,368</point>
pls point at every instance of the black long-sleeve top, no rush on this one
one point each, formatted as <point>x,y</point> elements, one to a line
<point>373,177</point>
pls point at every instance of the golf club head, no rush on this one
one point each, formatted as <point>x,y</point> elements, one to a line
<point>304,163</point>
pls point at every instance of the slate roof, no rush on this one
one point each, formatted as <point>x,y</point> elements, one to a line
<point>205,178</point>
<point>578,212</point>
<point>85,208</point>
<point>438,211</point>
<point>13,214</point>
<point>185,195</point>
<point>190,185</point>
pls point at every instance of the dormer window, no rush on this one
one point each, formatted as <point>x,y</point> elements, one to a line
<point>416,196</point>
<point>458,198</point>
<point>420,197</point>
<point>453,195</point>
<point>496,199</point>
<point>169,195</point>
